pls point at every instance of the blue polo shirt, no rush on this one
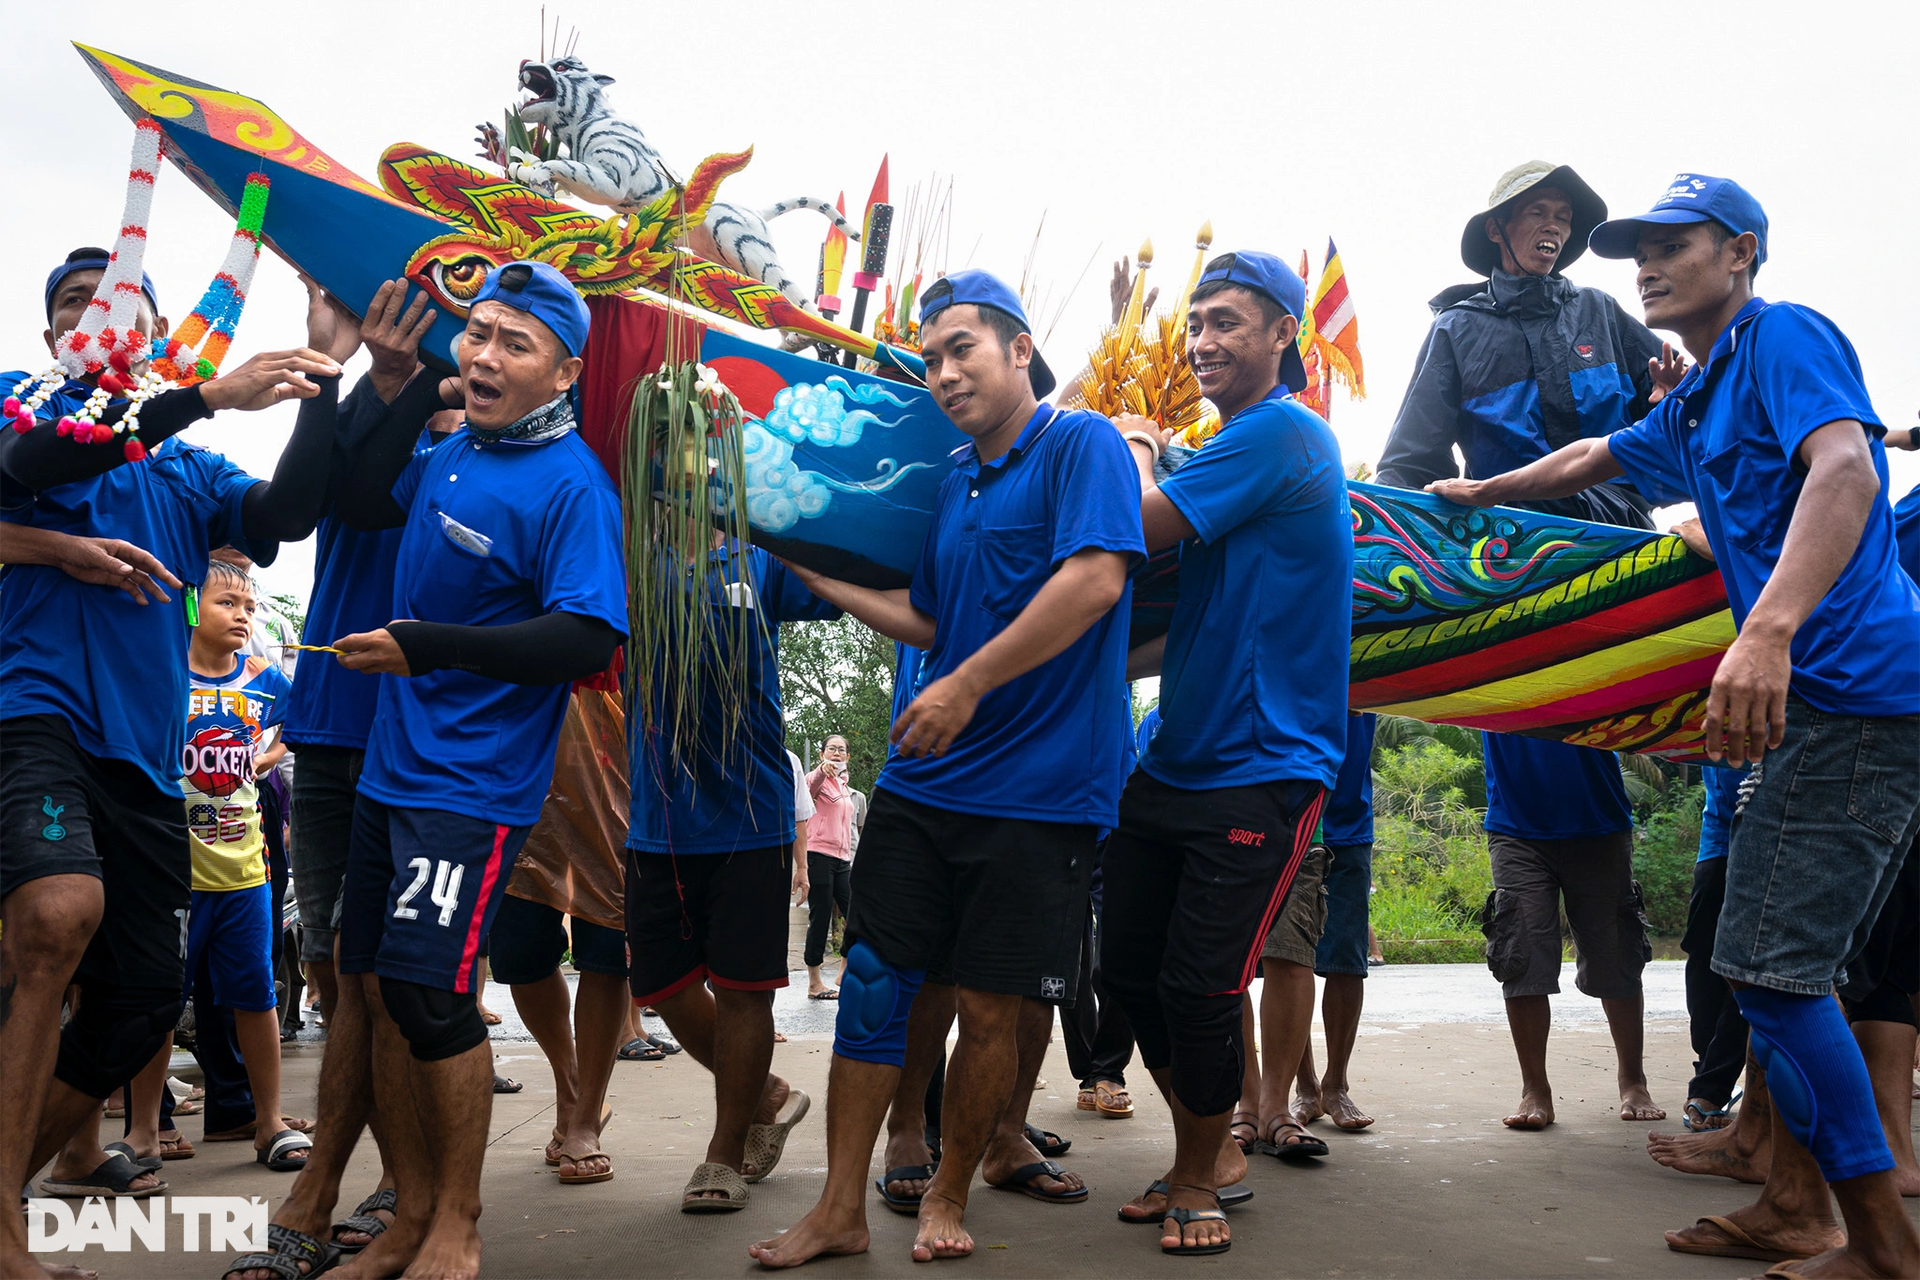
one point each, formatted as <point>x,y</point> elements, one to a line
<point>1149,725</point>
<point>906,683</point>
<point>1253,687</point>
<point>117,672</point>
<point>1348,818</point>
<point>1906,533</point>
<point>1716,818</point>
<point>705,799</point>
<point>1538,789</point>
<point>1039,746</point>
<point>353,573</point>
<point>495,534</point>
<point>1725,440</point>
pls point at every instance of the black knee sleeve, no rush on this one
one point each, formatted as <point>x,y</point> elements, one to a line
<point>1886,1003</point>
<point>115,1033</point>
<point>1207,1055</point>
<point>437,1024</point>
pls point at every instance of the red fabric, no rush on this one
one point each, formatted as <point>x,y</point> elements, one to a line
<point>470,949</point>
<point>627,339</point>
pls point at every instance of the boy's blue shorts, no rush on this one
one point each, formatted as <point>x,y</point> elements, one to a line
<point>233,928</point>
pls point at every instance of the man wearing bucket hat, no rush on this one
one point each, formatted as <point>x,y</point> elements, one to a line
<point>977,856</point>
<point>1512,369</point>
<point>1219,818</point>
<point>1773,437</point>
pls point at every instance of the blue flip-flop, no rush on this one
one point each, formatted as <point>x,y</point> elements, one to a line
<point>904,1173</point>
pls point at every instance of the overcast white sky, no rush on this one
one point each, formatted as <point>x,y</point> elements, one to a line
<point>1383,125</point>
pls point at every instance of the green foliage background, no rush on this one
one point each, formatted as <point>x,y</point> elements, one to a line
<point>837,677</point>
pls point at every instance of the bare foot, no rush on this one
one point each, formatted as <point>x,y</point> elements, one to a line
<point>1534,1112</point>
<point>941,1234</point>
<point>1707,1116</point>
<point>1840,1262</point>
<point>451,1252</point>
<point>772,1098</point>
<point>391,1252</point>
<point>817,1235</point>
<point>905,1149</point>
<point>1717,1153</point>
<point>1797,1237</point>
<point>1307,1106</point>
<point>1637,1104</point>
<point>1206,1231</point>
<point>1343,1112</point>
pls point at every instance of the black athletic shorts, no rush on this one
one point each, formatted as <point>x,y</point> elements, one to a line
<point>718,916</point>
<point>1882,979</point>
<point>529,939</point>
<point>64,812</point>
<point>990,904</point>
<point>1195,879</point>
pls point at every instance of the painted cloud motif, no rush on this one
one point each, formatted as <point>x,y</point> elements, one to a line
<point>780,494</point>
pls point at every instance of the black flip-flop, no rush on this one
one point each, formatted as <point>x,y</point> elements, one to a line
<point>1230,1198</point>
<point>667,1046</point>
<point>1307,1148</point>
<point>277,1154</point>
<point>112,1178</point>
<point>831,993</point>
<point>501,1084</point>
<point>906,1172</point>
<point>1017,1181</point>
<point>1185,1216</point>
<point>148,1163</point>
<point>638,1050</point>
<point>1050,1145</point>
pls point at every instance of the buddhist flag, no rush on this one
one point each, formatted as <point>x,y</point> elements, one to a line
<point>1336,333</point>
<point>1317,393</point>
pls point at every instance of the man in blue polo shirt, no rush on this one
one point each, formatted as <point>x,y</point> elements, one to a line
<point>92,831</point>
<point>710,866</point>
<point>509,586</point>
<point>1253,703</point>
<point>1772,436</point>
<point>974,866</point>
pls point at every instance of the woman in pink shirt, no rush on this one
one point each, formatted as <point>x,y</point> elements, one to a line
<point>829,858</point>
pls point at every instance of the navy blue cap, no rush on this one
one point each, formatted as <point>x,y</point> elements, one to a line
<point>1692,197</point>
<point>543,293</point>
<point>92,260</point>
<point>980,289</point>
<point>1274,280</point>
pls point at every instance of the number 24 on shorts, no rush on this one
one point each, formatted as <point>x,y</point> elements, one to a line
<point>444,895</point>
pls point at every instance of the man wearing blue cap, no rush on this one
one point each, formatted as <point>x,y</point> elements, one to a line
<point>1217,820</point>
<point>92,831</point>
<point>1772,436</point>
<point>976,859</point>
<point>509,586</point>
<point>1512,369</point>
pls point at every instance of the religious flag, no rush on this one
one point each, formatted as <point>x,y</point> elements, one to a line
<point>1336,333</point>
<point>1316,395</point>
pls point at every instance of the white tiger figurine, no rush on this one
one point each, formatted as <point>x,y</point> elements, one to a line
<point>610,162</point>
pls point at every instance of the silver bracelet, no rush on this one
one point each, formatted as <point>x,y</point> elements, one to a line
<point>1144,439</point>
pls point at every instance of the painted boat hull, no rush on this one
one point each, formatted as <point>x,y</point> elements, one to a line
<point>1502,620</point>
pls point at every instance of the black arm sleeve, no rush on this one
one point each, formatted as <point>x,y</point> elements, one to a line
<point>365,501</point>
<point>42,458</point>
<point>1419,449</point>
<point>286,508</point>
<point>555,649</point>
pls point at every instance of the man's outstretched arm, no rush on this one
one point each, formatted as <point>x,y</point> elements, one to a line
<point>1560,474</point>
<point>106,562</point>
<point>890,613</point>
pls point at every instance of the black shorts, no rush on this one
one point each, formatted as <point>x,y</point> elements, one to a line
<point>529,939</point>
<point>720,916</point>
<point>1882,979</point>
<point>325,782</point>
<point>64,812</point>
<point>421,892</point>
<point>1196,879</point>
<point>990,904</point>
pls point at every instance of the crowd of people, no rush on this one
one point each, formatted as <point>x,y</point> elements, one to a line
<point>1026,848</point>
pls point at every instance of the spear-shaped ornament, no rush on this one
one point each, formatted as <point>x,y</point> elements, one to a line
<point>874,231</point>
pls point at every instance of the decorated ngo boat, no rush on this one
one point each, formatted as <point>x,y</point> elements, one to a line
<point>1502,620</point>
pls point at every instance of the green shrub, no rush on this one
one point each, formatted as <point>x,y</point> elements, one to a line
<point>1664,850</point>
<point>1429,855</point>
<point>1434,950</point>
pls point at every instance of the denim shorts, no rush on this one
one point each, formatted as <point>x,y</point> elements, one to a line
<point>1349,881</point>
<point>1815,851</point>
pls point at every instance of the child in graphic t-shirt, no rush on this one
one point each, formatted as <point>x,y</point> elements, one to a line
<point>233,702</point>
